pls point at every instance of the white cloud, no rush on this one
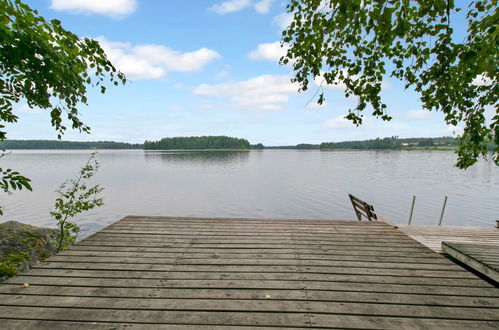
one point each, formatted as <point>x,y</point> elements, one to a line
<point>489,112</point>
<point>339,122</point>
<point>338,84</point>
<point>230,6</point>
<point>482,80</point>
<point>268,51</point>
<point>266,92</point>
<point>283,20</point>
<point>113,8</point>
<point>27,109</point>
<point>314,105</point>
<point>154,61</point>
<point>263,6</point>
<point>418,115</point>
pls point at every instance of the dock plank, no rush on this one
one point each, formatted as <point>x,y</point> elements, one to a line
<point>275,294</point>
<point>476,256</point>
<point>252,306</point>
<point>433,236</point>
<point>222,273</point>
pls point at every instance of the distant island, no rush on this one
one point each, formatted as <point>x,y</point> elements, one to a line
<point>197,143</point>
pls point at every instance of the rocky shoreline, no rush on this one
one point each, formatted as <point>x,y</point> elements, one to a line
<point>23,245</point>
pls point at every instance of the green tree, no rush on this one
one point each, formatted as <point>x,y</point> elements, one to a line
<point>49,68</point>
<point>358,43</point>
<point>75,197</point>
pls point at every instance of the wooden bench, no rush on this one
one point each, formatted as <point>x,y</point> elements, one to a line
<point>362,208</point>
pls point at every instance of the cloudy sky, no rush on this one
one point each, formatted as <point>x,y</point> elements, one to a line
<point>209,68</point>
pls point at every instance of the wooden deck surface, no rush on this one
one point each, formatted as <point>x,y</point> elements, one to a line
<point>433,236</point>
<point>164,272</point>
<point>484,258</point>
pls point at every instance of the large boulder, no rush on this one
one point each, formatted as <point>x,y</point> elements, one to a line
<point>23,245</point>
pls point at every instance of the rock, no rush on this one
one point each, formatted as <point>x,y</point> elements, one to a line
<point>23,245</point>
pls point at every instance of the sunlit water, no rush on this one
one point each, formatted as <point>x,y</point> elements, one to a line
<point>261,184</point>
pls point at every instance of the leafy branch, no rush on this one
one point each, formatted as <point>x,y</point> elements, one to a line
<point>75,197</point>
<point>359,43</point>
<point>50,68</point>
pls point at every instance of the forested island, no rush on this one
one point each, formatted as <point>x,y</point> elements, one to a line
<point>57,144</point>
<point>198,143</point>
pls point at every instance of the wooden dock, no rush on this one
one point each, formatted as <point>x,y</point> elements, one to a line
<point>217,273</point>
<point>484,258</point>
<point>433,236</point>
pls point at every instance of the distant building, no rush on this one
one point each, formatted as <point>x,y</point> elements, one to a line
<point>409,144</point>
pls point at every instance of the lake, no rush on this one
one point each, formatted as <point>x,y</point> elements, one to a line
<point>261,184</point>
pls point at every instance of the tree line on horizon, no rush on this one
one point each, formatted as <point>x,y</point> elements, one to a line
<point>393,142</point>
<point>226,142</point>
<point>58,144</point>
<point>197,142</point>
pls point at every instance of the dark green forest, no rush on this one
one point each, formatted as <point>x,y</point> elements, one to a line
<point>197,142</point>
<point>56,144</point>
<point>393,142</point>
<point>225,142</point>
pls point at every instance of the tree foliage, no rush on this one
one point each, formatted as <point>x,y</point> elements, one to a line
<point>74,197</point>
<point>198,142</point>
<point>257,146</point>
<point>358,43</point>
<point>48,67</point>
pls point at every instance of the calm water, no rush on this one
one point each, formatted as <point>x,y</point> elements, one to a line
<point>270,183</point>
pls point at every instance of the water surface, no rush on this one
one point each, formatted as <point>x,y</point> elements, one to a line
<point>261,184</point>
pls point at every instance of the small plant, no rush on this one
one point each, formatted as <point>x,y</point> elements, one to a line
<point>75,197</point>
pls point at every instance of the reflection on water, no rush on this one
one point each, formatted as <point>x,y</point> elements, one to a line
<point>206,158</point>
<point>261,184</point>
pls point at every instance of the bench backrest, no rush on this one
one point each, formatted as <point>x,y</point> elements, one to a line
<point>362,208</point>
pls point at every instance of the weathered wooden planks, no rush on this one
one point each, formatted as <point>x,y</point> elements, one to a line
<point>433,236</point>
<point>484,258</point>
<point>169,272</point>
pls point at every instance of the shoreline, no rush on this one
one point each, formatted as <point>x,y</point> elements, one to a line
<point>238,150</point>
<point>400,149</point>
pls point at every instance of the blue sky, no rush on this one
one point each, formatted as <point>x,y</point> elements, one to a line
<point>208,68</point>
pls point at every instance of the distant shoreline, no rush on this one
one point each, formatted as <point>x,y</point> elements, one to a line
<point>234,150</point>
<point>398,149</point>
<point>155,150</point>
<point>226,143</point>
